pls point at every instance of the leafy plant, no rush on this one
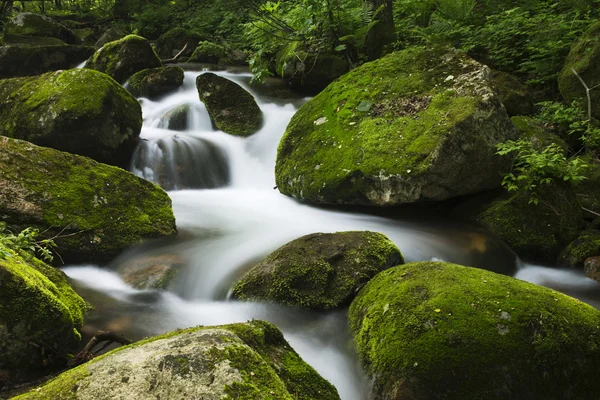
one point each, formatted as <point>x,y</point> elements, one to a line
<point>532,169</point>
<point>26,242</point>
<point>573,120</point>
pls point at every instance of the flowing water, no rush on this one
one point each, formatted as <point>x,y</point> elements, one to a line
<point>229,215</point>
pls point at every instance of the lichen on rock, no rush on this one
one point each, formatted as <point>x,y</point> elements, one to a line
<point>320,270</point>
<point>438,330</point>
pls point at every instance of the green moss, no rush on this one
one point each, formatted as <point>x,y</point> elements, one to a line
<point>532,130</point>
<point>584,58</point>
<point>98,209</point>
<point>30,24</point>
<point>586,245</point>
<point>319,271</point>
<point>209,52</point>
<point>79,111</point>
<point>232,109</point>
<point>153,82</point>
<point>375,135</point>
<point>124,57</point>
<point>439,330</point>
<point>37,305</point>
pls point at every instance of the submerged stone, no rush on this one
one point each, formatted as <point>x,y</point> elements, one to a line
<point>434,330</point>
<point>319,271</point>
<point>238,361</point>
<point>31,24</point>
<point>40,318</point>
<point>417,125</point>
<point>95,211</point>
<point>124,57</point>
<point>80,111</point>
<point>18,61</point>
<point>232,109</point>
<point>154,82</point>
<point>152,272</point>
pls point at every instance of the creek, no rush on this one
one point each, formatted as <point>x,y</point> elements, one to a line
<point>229,215</point>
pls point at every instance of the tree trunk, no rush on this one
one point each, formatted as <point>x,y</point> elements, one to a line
<point>383,33</point>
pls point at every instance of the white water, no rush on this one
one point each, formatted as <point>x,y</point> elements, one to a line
<point>223,230</point>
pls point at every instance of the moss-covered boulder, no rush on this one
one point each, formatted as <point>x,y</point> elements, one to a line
<point>40,317</point>
<point>513,95</point>
<point>534,131</point>
<point>173,41</point>
<point>151,272</point>
<point>209,52</point>
<point>18,61</point>
<point>232,109</point>
<point>155,82</point>
<point>80,111</point>
<point>238,361</point>
<point>311,73</point>
<point>537,233</point>
<point>319,271</point>
<point>110,35</point>
<point>96,210</point>
<point>585,246</point>
<point>416,125</point>
<point>584,58</point>
<point>124,57</point>
<point>592,268</point>
<point>442,331</point>
<point>31,24</point>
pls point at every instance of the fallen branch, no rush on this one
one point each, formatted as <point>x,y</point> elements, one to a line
<point>174,59</point>
<point>88,352</point>
<point>587,93</point>
<point>590,211</point>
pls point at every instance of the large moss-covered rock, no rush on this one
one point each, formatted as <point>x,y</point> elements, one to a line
<point>80,111</point>
<point>209,52</point>
<point>18,61</point>
<point>513,95</point>
<point>238,361</point>
<point>442,331</point>
<point>173,41</point>
<point>30,24</point>
<point>417,125</point>
<point>155,81</point>
<point>232,109</point>
<point>319,271</point>
<point>585,246</point>
<point>536,233</point>
<point>40,318</point>
<point>584,58</point>
<point>308,72</point>
<point>124,57</point>
<point>96,210</point>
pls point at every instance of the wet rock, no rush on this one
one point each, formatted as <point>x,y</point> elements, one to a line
<point>417,125</point>
<point>124,57</point>
<point>515,98</point>
<point>311,73</point>
<point>40,318</point>
<point>578,251</point>
<point>80,111</point>
<point>592,268</point>
<point>31,24</point>
<point>319,271</point>
<point>155,82</point>
<point>176,119</point>
<point>250,360</point>
<point>96,210</point>
<point>232,109</point>
<point>16,61</point>
<point>584,58</point>
<point>152,272</point>
<point>438,330</point>
<point>171,42</point>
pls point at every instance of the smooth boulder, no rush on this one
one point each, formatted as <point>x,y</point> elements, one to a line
<point>79,111</point>
<point>151,272</point>
<point>584,58</point>
<point>319,271</point>
<point>95,210</point>
<point>433,330</point>
<point>31,24</point>
<point>16,61</point>
<point>417,125</point>
<point>40,317</point>
<point>239,361</point>
<point>124,57</point>
<point>231,108</point>
<point>154,82</point>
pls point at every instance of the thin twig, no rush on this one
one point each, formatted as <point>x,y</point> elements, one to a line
<point>174,59</point>
<point>590,211</point>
